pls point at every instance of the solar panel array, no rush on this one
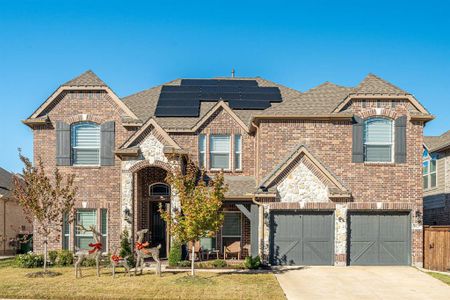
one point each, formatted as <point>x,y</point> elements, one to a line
<point>184,100</point>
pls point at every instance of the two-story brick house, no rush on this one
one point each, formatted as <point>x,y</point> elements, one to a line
<point>328,176</point>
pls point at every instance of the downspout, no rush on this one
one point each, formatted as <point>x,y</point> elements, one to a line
<point>260,226</point>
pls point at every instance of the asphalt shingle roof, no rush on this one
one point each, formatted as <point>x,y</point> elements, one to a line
<point>88,78</point>
<point>437,142</point>
<point>5,182</point>
<point>320,100</point>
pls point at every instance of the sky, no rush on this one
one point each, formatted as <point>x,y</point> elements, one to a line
<point>134,45</point>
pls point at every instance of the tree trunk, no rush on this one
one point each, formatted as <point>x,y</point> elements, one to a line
<point>45,255</point>
<point>193,258</point>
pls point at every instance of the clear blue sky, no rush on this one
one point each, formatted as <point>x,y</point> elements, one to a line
<point>134,45</point>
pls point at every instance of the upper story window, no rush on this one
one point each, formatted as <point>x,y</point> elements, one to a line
<point>219,152</point>
<point>85,144</point>
<point>378,140</point>
<point>202,151</point>
<point>238,152</point>
<point>429,171</point>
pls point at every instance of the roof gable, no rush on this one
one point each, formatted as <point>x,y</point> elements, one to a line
<point>373,84</point>
<point>302,155</point>
<point>436,143</point>
<point>87,81</point>
<point>146,129</point>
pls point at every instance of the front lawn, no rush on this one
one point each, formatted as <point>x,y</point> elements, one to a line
<point>442,277</point>
<point>14,284</point>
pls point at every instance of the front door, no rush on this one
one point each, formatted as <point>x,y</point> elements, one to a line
<point>158,228</point>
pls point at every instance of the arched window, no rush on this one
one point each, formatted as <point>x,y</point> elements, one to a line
<point>85,144</point>
<point>378,140</point>
<point>159,189</point>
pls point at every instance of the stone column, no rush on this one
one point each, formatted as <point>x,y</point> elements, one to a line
<point>340,228</point>
<point>265,249</point>
<point>127,200</point>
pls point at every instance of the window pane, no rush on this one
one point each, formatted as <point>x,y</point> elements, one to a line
<point>201,150</point>
<point>378,131</point>
<point>231,224</point>
<point>66,233</point>
<point>220,143</point>
<point>433,180</point>
<point>425,167</point>
<point>220,161</point>
<point>86,156</point>
<point>237,151</point>
<point>208,243</point>
<point>85,218</point>
<point>432,166</point>
<point>378,153</point>
<point>201,160</point>
<point>425,182</point>
<point>159,190</point>
<point>86,135</point>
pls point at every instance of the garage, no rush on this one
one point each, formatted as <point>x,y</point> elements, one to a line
<point>379,238</point>
<point>301,238</point>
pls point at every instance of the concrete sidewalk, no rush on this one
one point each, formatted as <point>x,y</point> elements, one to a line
<point>361,283</point>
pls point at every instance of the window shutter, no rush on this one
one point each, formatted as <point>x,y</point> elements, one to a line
<point>62,144</point>
<point>357,144</point>
<point>107,144</point>
<point>400,139</point>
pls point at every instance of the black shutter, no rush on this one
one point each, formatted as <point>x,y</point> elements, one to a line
<point>107,144</point>
<point>357,144</point>
<point>62,144</point>
<point>400,139</point>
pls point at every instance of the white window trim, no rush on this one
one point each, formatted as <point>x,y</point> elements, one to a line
<point>158,183</point>
<point>392,143</point>
<point>237,152</point>
<point>428,174</point>
<point>72,147</point>
<point>202,151</point>
<point>229,152</point>
<point>84,234</point>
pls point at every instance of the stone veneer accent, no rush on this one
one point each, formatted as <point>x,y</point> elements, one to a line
<point>301,185</point>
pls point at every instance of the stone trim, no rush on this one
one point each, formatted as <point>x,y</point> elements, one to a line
<point>302,206</point>
<point>84,118</point>
<point>146,164</point>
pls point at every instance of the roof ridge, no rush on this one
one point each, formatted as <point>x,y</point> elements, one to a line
<point>370,76</point>
<point>87,78</point>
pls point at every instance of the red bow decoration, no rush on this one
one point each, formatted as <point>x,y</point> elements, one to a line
<point>141,246</point>
<point>115,258</point>
<point>96,246</point>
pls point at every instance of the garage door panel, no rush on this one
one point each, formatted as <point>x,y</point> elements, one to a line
<point>302,238</point>
<point>379,238</point>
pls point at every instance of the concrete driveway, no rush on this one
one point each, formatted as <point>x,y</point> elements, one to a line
<point>361,283</point>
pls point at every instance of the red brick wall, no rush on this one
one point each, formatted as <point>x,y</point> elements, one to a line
<point>100,186</point>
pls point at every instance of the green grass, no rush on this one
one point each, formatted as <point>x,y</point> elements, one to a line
<point>5,263</point>
<point>206,285</point>
<point>442,277</point>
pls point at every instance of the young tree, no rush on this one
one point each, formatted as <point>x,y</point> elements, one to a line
<point>44,200</point>
<point>199,212</point>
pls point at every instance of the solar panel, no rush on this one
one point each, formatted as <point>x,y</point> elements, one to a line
<point>184,100</point>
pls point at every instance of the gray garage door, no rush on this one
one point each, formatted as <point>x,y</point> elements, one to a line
<point>379,239</point>
<point>302,238</point>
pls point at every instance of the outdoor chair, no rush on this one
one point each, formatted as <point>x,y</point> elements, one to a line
<point>232,249</point>
<point>197,251</point>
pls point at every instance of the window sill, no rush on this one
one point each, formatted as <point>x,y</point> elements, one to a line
<point>85,167</point>
<point>368,163</point>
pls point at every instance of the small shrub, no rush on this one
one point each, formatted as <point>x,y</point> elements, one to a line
<point>184,263</point>
<point>65,258</point>
<point>29,260</point>
<point>125,248</point>
<point>219,263</point>
<point>89,262</point>
<point>252,263</point>
<point>52,255</point>
<point>175,254</point>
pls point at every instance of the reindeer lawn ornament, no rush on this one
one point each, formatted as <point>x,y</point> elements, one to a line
<point>143,252</point>
<point>95,252</point>
<point>117,261</point>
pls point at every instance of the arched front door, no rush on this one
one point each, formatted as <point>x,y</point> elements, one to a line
<point>159,196</point>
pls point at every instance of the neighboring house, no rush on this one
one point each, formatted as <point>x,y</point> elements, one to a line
<point>436,179</point>
<point>330,176</point>
<point>12,218</point>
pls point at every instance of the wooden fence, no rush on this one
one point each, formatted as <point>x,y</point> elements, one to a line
<point>437,248</point>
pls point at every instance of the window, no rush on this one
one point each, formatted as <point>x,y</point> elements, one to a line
<point>237,152</point>
<point>159,189</point>
<point>86,144</point>
<point>378,140</point>
<point>85,218</point>
<point>429,172</point>
<point>65,233</point>
<point>219,152</point>
<point>104,227</point>
<point>231,229</point>
<point>202,151</point>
